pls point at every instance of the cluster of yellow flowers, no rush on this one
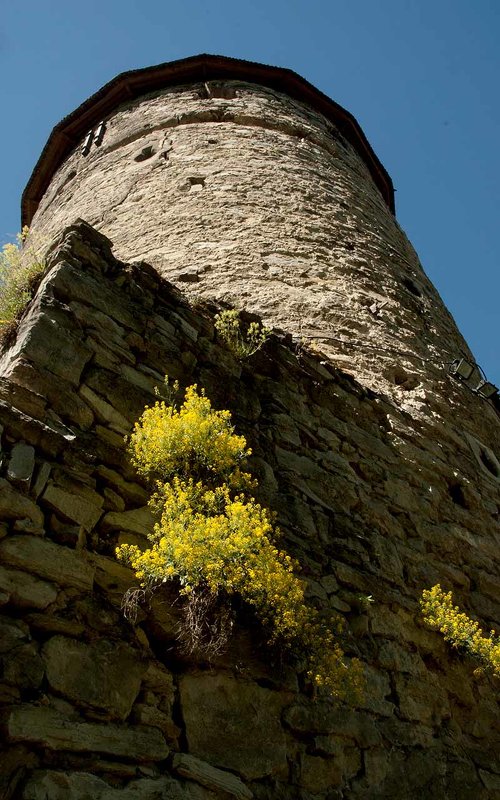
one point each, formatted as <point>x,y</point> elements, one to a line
<point>192,441</point>
<point>213,537</point>
<point>459,629</point>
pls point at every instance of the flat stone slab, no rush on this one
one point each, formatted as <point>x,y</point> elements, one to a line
<point>21,464</point>
<point>48,560</point>
<point>139,521</point>
<point>216,779</point>
<point>52,785</point>
<point>103,675</point>
<point>25,590</point>
<point>48,728</point>
<point>75,507</point>
<point>14,505</point>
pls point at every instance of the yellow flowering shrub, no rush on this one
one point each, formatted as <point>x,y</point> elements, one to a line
<point>216,540</point>
<point>242,343</point>
<point>193,441</point>
<point>460,630</point>
<point>19,264</point>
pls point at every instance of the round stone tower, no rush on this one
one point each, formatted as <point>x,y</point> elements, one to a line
<point>243,183</point>
<point>375,438</point>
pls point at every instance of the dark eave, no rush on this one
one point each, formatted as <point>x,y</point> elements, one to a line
<point>68,133</point>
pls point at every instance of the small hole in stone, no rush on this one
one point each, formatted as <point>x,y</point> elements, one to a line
<point>399,377</point>
<point>145,153</point>
<point>412,287</point>
<point>69,177</point>
<point>457,495</point>
<point>195,180</point>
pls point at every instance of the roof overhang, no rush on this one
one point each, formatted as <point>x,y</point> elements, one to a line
<point>127,86</point>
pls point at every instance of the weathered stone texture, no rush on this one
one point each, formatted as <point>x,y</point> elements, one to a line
<point>255,199</point>
<point>103,676</point>
<point>249,740</point>
<point>367,498</point>
<point>51,729</point>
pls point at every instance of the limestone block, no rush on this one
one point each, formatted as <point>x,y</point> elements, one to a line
<point>44,785</point>
<point>324,717</point>
<point>249,740</point>
<point>139,521</point>
<point>108,353</point>
<point>489,584</point>
<point>111,576</point>
<point>50,561</point>
<point>422,700</point>
<point>13,633</point>
<point>21,464</point>
<point>329,583</point>
<point>132,493</point>
<point>150,715</point>
<point>375,761</point>
<point>125,397</point>
<point>140,380</point>
<point>26,591</point>
<point>490,780</point>
<point>90,317</point>
<point>69,283</point>
<point>41,479</point>
<point>320,774</point>
<point>51,785</point>
<point>23,667</point>
<point>400,733</point>
<point>105,676</point>
<point>47,624</point>
<point>76,507</point>
<point>14,765</point>
<point>113,501</point>
<point>43,340</point>
<point>44,726</point>
<point>14,505</point>
<point>159,680</point>
<point>60,394</point>
<point>377,689</point>
<point>392,656</point>
<point>104,411</point>
<point>216,779</point>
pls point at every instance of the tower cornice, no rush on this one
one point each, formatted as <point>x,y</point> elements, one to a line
<point>133,84</point>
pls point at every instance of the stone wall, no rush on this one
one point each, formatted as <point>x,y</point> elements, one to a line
<point>240,193</point>
<point>371,500</point>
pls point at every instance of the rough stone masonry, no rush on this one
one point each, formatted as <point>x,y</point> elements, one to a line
<point>241,185</point>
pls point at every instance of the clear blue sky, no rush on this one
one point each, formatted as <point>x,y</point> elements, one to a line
<point>421,76</point>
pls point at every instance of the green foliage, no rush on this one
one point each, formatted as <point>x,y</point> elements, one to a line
<point>460,630</point>
<point>242,343</point>
<point>20,263</point>
<point>217,541</point>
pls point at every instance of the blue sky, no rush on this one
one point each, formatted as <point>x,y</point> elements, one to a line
<point>421,77</point>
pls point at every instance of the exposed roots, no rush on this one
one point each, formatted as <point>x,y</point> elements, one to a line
<point>132,599</point>
<point>206,625</point>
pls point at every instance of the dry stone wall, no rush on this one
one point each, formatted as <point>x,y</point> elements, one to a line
<point>372,501</point>
<point>242,194</point>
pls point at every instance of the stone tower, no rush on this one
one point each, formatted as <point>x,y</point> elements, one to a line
<point>242,185</point>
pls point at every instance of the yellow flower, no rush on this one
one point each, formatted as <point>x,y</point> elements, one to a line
<point>210,536</point>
